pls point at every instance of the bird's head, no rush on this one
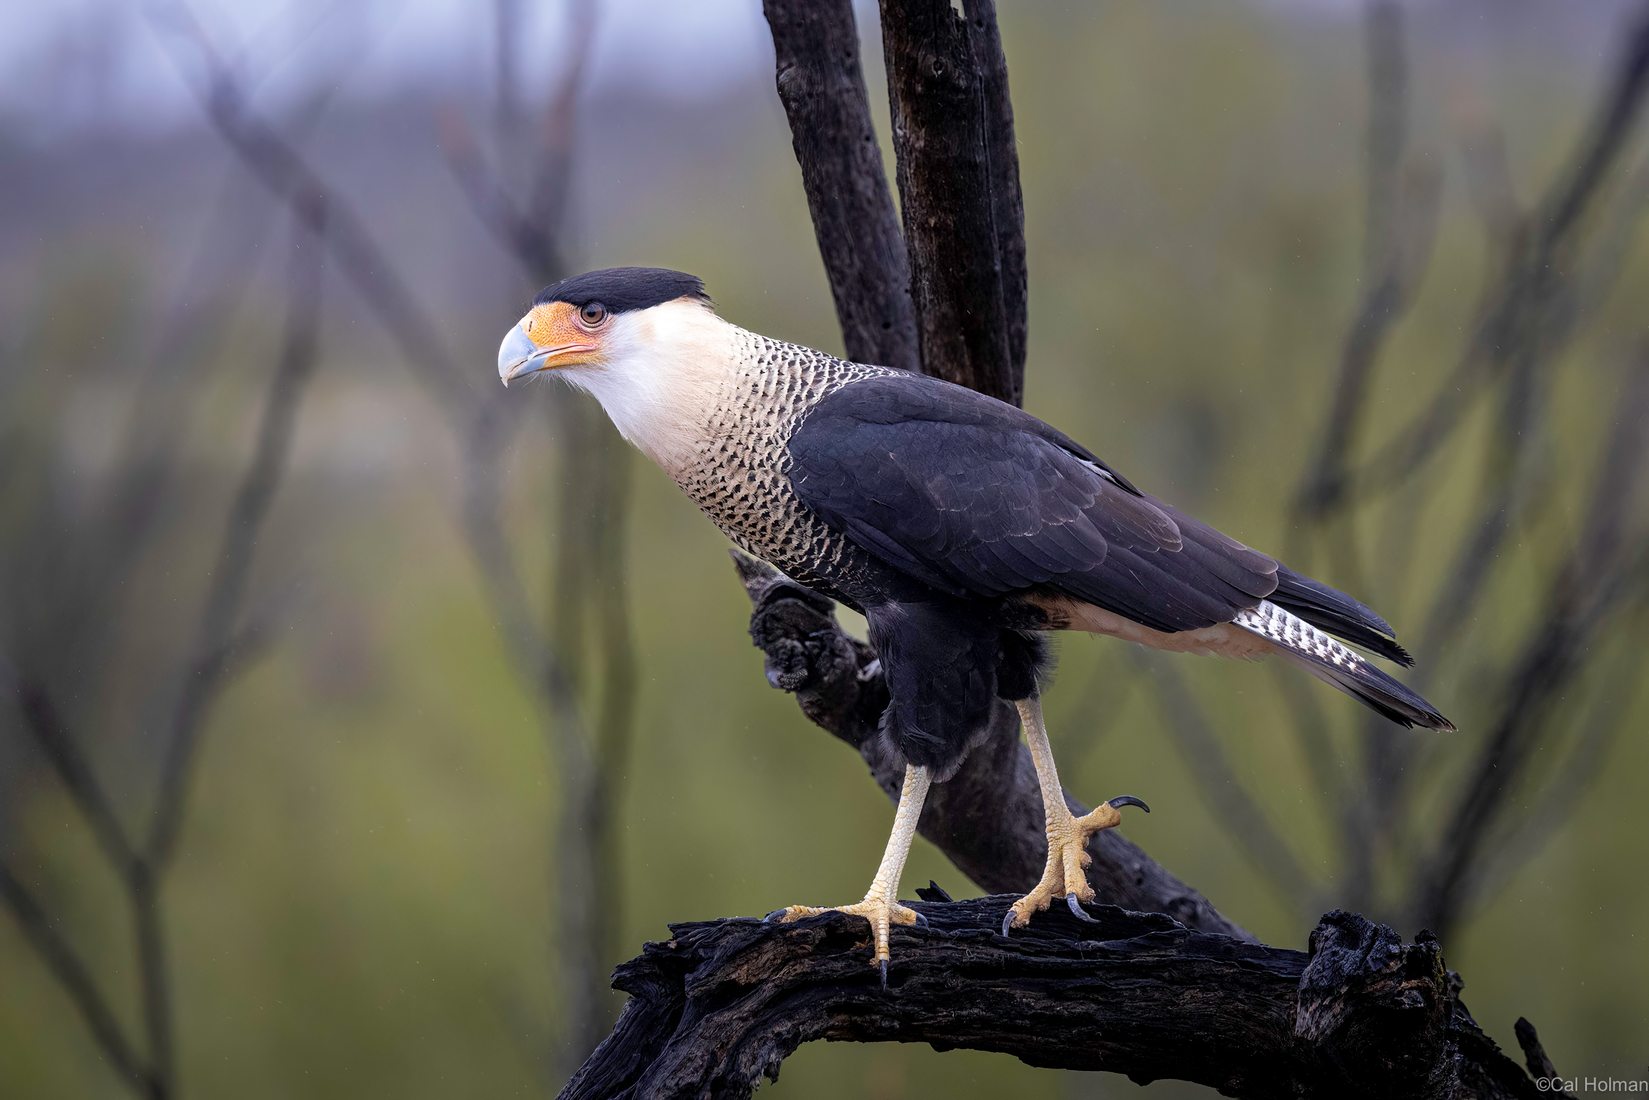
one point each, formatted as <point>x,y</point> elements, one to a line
<point>605,321</point>
<point>643,340</point>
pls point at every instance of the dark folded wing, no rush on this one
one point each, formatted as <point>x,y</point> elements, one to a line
<point>977,498</point>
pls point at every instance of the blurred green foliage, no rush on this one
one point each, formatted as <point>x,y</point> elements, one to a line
<point>362,905</point>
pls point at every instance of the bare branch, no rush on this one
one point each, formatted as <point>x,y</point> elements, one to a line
<point>1590,590</point>
<point>520,235</point>
<point>1335,795</point>
<point>283,170</point>
<point>1390,223</point>
<point>528,231</point>
<point>1598,729</point>
<point>71,974</point>
<point>823,91</point>
<point>1239,814</point>
<point>721,1004</point>
<point>1540,1066</point>
<point>583,874</point>
<point>204,675</point>
<point>538,663</point>
<point>546,203</point>
<point>1526,288</point>
<point>1002,170</point>
<point>58,743</point>
<point>954,167</point>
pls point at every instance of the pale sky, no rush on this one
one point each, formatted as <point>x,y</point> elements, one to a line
<point>69,60</point>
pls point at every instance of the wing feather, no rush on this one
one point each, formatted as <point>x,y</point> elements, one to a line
<point>976,498</point>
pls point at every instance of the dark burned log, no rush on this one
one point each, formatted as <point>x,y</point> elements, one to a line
<point>962,282</point>
<point>958,175</point>
<point>816,48</point>
<point>987,818</point>
<point>722,1003</point>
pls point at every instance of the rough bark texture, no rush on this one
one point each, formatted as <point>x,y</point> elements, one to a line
<point>722,1003</point>
<point>816,47</point>
<point>958,177</point>
<point>987,818</point>
<point>1002,173</point>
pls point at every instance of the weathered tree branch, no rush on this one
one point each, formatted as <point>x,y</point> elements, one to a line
<point>722,1003</point>
<point>958,175</point>
<point>987,818</point>
<point>822,87</point>
<point>1002,174</point>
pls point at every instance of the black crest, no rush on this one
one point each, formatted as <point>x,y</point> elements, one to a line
<point>622,289</point>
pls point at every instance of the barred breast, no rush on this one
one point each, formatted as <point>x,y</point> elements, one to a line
<point>741,478</point>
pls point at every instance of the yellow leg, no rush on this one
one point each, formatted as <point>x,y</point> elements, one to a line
<point>1067,834</point>
<point>881,906</point>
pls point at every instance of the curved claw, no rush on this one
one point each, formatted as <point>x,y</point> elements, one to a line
<point>1077,911</point>
<point>921,921</point>
<point>773,916</point>
<point>1007,922</point>
<point>1122,800</point>
<point>882,963</point>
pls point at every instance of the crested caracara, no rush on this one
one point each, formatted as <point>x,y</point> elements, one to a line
<point>962,527</point>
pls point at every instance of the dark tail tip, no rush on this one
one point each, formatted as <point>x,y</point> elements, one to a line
<point>1395,700</point>
<point>1332,610</point>
<point>1375,689</point>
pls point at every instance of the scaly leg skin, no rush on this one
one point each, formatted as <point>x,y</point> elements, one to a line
<point>881,905</point>
<point>1067,834</point>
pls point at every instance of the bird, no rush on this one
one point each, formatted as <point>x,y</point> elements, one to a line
<point>963,528</point>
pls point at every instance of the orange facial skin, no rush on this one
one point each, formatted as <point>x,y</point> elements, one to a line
<point>556,325</point>
<point>557,335</point>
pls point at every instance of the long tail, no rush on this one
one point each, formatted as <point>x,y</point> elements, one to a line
<point>1290,620</point>
<point>1332,610</point>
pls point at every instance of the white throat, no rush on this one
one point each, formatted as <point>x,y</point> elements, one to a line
<point>662,373</point>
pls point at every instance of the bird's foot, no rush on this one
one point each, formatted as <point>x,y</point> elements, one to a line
<point>881,911</point>
<point>1064,875</point>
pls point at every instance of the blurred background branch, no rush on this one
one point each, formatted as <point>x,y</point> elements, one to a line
<point>223,643</point>
<point>1545,264</point>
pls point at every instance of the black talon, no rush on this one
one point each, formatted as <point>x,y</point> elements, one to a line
<point>883,964</point>
<point>775,914</point>
<point>1077,911</point>
<point>921,921</point>
<point>1128,800</point>
<point>1007,922</point>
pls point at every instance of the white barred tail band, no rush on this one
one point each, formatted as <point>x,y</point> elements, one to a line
<point>1292,632</point>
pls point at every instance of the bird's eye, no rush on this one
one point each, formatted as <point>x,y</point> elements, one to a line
<point>592,314</point>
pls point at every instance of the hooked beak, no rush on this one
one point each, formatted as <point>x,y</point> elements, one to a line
<point>519,355</point>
